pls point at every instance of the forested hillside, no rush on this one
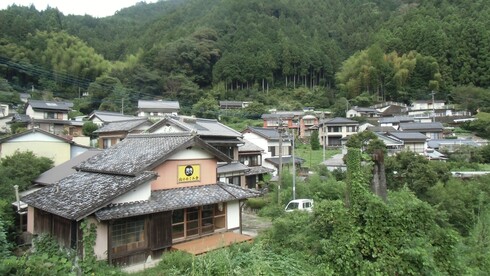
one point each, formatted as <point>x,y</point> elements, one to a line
<point>305,53</point>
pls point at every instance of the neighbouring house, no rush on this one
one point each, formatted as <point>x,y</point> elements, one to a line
<point>145,195</point>
<point>5,119</point>
<point>412,141</point>
<point>50,116</point>
<point>365,112</point>
<point>218,135</point>
<point>287,119</point>
<point>157,109</point>
<point>50,177</point>
<point>307,125</point>
<point>233,104</point>
<point>43,144</point>
<point>101,118</point>
<point>431,130</point>
<point>270,141</point>
<point>433,109</point>
<point>395,121</point>
<point>450,145</point>
<point>250,155</point>
<point>331,131</point>
<point>393,144</point>
<point>390,109</point>
<point>112,133</point>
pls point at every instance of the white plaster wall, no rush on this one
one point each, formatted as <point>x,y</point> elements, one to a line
<point>168,129</point>
<point>233,214</point>
<point>100,248</point>
<point>193,153</point>
<point>36,136</point>
<point>142,192</point>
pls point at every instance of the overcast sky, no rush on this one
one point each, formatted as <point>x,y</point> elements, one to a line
<point>95,8</point>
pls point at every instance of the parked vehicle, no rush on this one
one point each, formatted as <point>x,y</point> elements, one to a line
<point>300,205</point>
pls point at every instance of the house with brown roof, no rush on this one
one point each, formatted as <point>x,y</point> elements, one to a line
<point>145,195</point>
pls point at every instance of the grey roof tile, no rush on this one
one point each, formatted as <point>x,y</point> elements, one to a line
<point>405,135</point>
<point>258,170</point>
<point>285,160</point>
<point>140,152</point>
<point>422,126</point>
<point>232,167</point>
<point>65,169</point>
<point>178,198</point>
<point>82,193</point>
<point>249,146</point>
<point>123,126</point>
<point>267,133</point>
<point>158,105</point>
<point>203,127</point>
<point>50,105</point>
<point>338,121</point>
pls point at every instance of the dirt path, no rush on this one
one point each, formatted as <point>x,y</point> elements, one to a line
<point>252,224</point>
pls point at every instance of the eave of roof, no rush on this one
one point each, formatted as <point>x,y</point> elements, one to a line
<point>178,198</point>
<point>82,193</point>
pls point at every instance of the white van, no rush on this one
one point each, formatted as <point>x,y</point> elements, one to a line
<point>300,204</point>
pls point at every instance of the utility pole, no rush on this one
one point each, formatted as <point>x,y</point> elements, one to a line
<point>433,107</point>
<point>122,106</point>
<point>279,170</point>
<point>294,171</point>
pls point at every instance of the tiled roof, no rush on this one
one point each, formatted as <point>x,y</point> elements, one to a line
<point>82,193</point>
<point>380,128</point>
<point>36,130</point>
<point>338,121</point>
<point>172,199</point>
<point>365,109</point>
<point>395,119</point>
<point>51,105</point>
<point>123,126</point>
<point>203,127</point>
<point>140,152</point>
<point>107,116</point>
<point>232,167</point>
<point>285,160</point>
<point>158,105</point>
<point>278,116</point>
<point>258,170</point>
<point>65,169</point>
<point>267,133</point>
<point>404,135</point>
<point>422,126</point>
<point>249,146</point>
<point>436,143</point>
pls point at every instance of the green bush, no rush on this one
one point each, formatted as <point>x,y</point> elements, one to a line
<point>256,203</point>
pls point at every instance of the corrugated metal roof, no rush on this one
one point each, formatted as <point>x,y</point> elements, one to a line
<point>179,198</point>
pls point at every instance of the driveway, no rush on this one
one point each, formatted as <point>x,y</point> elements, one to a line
<point>252,224</point>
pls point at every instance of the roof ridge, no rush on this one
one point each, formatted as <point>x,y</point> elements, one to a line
<point>156,135</point>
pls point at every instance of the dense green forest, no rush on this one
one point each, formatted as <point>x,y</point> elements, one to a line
<point>305,53</point>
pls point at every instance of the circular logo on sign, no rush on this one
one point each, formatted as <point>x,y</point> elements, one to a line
<point>189,170</point>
